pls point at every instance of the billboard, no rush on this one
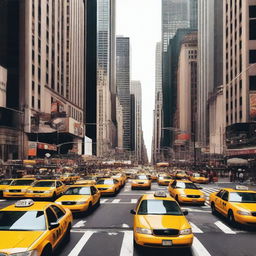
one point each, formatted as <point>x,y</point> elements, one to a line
<point>253,106</point>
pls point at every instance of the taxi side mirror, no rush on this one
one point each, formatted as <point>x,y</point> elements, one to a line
<point>132,212</point>
<point>54,225</point>
<point>185,212</point>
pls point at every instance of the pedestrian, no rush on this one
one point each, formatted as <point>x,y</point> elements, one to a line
<point>241,177</point>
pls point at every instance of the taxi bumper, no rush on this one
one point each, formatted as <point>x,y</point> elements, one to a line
<point>14,194</point>
<point>163,183</point>
<point>39,195</point>
<point>246,220</point>
<point>182,241</point>
<point>200,200</point>
<point>107,191</point>
<point>77,207</point>
<point>143,185</point>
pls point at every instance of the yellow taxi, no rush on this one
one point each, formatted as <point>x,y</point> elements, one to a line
<point>238,205</point>
<point>185,191</point>
<point>180,174</point>
<point>46,189</point>
<point>121,177</point>
<point>33,228</point>
<point>69,177</point>
<point>18,187</point>
<point>164,180</point>
<point>80,198</point>
<point>88,180</point>
<point>4,184</point>
<point>141,181</point>
<point>108,186</point>
<point>199,178</point>
<point>159,222</point>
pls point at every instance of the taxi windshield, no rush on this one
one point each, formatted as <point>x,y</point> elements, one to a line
<point>78,191</point>
<point>186,185</point>
<point>242,197</point>
<point>197,175</point>
<point>88,178</point>
<point>141,177</point>
<point>22,182</point>
<point>44,184</point>
<point>22,220</point>
<point>166,177</point>
<point>5,182</point>
<point>159,207</point>
<point>105,182</point>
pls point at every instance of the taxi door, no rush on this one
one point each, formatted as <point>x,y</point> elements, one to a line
<point>218,200</point>
<point>224,203</point>
<point>57,233</point>
<point>95,195</point>
<point>172,189</point>
<point>58,188</point>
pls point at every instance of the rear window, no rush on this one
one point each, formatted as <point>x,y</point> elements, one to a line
<point>22,182</point>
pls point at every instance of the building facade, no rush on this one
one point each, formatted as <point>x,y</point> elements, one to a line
<point>136,91</point>
<point>157,115</point>
<point>106,114</point>
<point>123,86</point>
<point>193,14</point>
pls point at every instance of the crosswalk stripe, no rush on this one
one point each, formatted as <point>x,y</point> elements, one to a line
<point>79,246</point>
<point>224,228</point>
<point>116,201</point>
<point>196,229</point>
<point>127,245</point>
<point>103,200</point>
<point>198,249</point>
<point>134,201</point>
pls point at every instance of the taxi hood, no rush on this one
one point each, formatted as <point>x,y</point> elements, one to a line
<point>163,222</point>
<point>191,191</point>
<point>73,198</point>
<point>251,207</point>
<point>17,241</point>
<point>40,188</point>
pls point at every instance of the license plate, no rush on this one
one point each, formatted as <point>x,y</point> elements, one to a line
<point>167,242</point>
<point>194,200</point>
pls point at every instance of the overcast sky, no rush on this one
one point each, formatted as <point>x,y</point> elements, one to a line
<point>141,21</point>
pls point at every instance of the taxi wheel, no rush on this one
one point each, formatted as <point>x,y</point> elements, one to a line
<point>98,203</point>
<point>213,208</point>
<point>90,207</point>
<point>54,197</point>
<point>47,251</point>
<point>231,218</point>
<point>67,234</point>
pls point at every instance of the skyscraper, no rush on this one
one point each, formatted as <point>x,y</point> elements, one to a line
<point>157,127</point>
<point>175,15</point>
<point>193,13</point>
<point>136,91</point>
<point>123,86</point>
<point>106,87</point>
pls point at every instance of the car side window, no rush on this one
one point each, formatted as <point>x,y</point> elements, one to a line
<point>58,211</point>
<point>58,184</point>
<point>93,190</point>
<point>225,196</point>
<point>220,193</point>
<point>51,217</point>
<point>174,184</point>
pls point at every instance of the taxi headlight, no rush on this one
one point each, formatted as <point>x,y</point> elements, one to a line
<point>28,253</point>
<point>187,231</point>
<point>81,202</point>
<point>134,182</point>
<point>183,195</point>
<point>144,231</point>
<point>57,202</point>
<point>47,192</point>
<point>6,190</point>
<point>30,191</point>
<point>23,190</point>
<point>203,196</point>
<point>244,213</point>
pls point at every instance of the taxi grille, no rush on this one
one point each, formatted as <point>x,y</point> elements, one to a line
<point>68,203</point>
<point>166,232</point>
<point>38,192</point>
<point>193,196</point>
<point>254,214</point>
<point>15,190</point>
<point>140,182</point>
<point>102,189</point>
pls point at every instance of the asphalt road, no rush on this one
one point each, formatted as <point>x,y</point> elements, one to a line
<point>108,230</point>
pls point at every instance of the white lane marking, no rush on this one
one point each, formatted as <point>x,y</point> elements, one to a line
<point>125,226</point>
<point>80,224</point>
<point>102,201</point>
<point>198,249</point>
<point>196,229</point>
<point>134,201</point>
<point>81,243</point>
<point>224,228</point>
<point>127,245</point>
<point>2,200</point>
<point>116,201</point>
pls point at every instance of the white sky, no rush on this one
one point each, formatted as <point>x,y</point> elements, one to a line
<point>141,21</point>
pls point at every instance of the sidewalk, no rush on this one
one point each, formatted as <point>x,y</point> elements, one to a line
<point>246,183</point>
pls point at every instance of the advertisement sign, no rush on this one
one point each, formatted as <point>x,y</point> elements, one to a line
<point>253,106</point>
<point>32,148</point>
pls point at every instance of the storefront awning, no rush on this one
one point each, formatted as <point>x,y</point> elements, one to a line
<point>237,162</point>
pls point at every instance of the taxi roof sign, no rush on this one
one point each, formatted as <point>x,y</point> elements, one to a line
<point>160,194</point>
<point>24,203</point>
<point>239,187</point>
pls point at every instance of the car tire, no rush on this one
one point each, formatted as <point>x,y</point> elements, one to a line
<point>231,218</point>
<point>68,233</point>
<point>47,251</point>
<point>213,209</point>
<point>98,203</point>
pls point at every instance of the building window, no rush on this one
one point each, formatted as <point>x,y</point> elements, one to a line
<point>252,56</point>
<point>39,104</point>
<point>33,85</point>
<point>33,70</point>
<point>252,11</point>
<point>252,83</point>
<point>39,74</point>
<point>33,101</point>
<point>252,30</point>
